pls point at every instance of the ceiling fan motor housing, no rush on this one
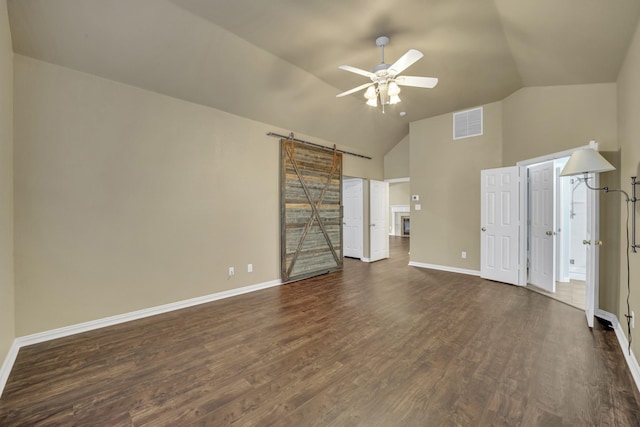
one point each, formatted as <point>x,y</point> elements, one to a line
<point>380,69</point>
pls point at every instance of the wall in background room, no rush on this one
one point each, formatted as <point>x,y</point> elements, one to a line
<point>398,196</point>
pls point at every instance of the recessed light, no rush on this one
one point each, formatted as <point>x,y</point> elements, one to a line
<point>403,113</point>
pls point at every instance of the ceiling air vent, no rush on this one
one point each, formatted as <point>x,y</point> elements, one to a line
<point>467,123</point>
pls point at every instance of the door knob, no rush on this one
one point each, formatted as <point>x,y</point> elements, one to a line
<point>483,229</point>
<point>586,242</point>
<point>598,242</point>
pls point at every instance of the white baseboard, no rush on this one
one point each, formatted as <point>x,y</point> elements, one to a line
<point>5,370</point>
<point>578,276</point>
<point>445,268</point>
<point>632,362</point>
<point>114,320</point>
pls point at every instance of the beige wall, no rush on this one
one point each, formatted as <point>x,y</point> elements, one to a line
<point>445,173</point>
<point>7,326</point>
<point>543,120</point>
<point>629,135</point>
<point>396,161</point>
<point>609,274</point>
<point>126,199</point>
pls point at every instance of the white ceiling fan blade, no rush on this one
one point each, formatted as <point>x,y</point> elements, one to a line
<point>405,61</point>
<point>415,81</point>
<point>355,89</point>
<point>356,70</point>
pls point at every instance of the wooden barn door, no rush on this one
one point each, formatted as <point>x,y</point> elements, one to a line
<point>311,213</point>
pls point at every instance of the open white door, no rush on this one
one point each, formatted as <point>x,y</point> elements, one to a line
<point>592,245</point>
<point>352,220</point>
<point>499,229</point>
<point>378,230</point>
<point>542,219</point>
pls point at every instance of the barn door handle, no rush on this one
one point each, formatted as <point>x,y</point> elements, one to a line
<point>586,242</point>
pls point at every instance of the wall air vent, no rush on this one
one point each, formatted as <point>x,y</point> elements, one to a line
<point>467,123</point>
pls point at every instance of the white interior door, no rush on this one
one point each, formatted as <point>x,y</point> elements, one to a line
<point>499,229</point>
<point>542,230</point>
<point>352,220</point>
<point>378,230</point>
<point>593,246</point>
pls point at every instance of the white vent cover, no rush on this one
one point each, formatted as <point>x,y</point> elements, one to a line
<point>467,123</point>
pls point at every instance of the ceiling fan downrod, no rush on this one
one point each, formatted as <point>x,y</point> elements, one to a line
<point>381,42</point>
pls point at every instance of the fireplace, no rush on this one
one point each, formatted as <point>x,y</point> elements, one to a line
<point>406,226</point>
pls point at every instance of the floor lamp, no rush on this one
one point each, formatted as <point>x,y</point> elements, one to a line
<point>586,161</point>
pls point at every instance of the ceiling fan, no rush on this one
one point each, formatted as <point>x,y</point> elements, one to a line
<point>385,79</point>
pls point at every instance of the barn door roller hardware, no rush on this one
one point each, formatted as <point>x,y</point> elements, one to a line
<point>291,138</point>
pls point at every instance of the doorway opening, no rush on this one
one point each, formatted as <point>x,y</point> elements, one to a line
<point>399,214</point>
<point>365,203</point>
<point>541,228</point>
<point>556,233</point>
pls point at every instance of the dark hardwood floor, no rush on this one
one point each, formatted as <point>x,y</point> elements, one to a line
<point>380,344</point>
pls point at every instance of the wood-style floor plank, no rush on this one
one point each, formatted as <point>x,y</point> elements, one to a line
<point>380,344</point>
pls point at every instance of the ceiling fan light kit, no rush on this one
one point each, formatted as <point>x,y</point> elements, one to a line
<point>385,80</point>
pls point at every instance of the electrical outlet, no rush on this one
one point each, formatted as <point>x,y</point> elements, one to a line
<point>231,271</point>
<point>464,255</point>
<point>249,268</point>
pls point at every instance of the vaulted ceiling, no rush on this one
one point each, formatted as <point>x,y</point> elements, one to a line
<point>277,61</point>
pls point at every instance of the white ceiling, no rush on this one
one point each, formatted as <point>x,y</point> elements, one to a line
<point>277,61</point>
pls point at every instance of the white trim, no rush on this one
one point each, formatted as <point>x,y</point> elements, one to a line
<point>632,362</point>
<point>552,156</point>
<point>395,180</point>
<point>8,364</point>
<point>445,268</point>
<point>115,320</point>
<point>365,259</point>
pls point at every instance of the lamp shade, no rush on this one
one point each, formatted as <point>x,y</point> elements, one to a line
<point>586,160</point>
